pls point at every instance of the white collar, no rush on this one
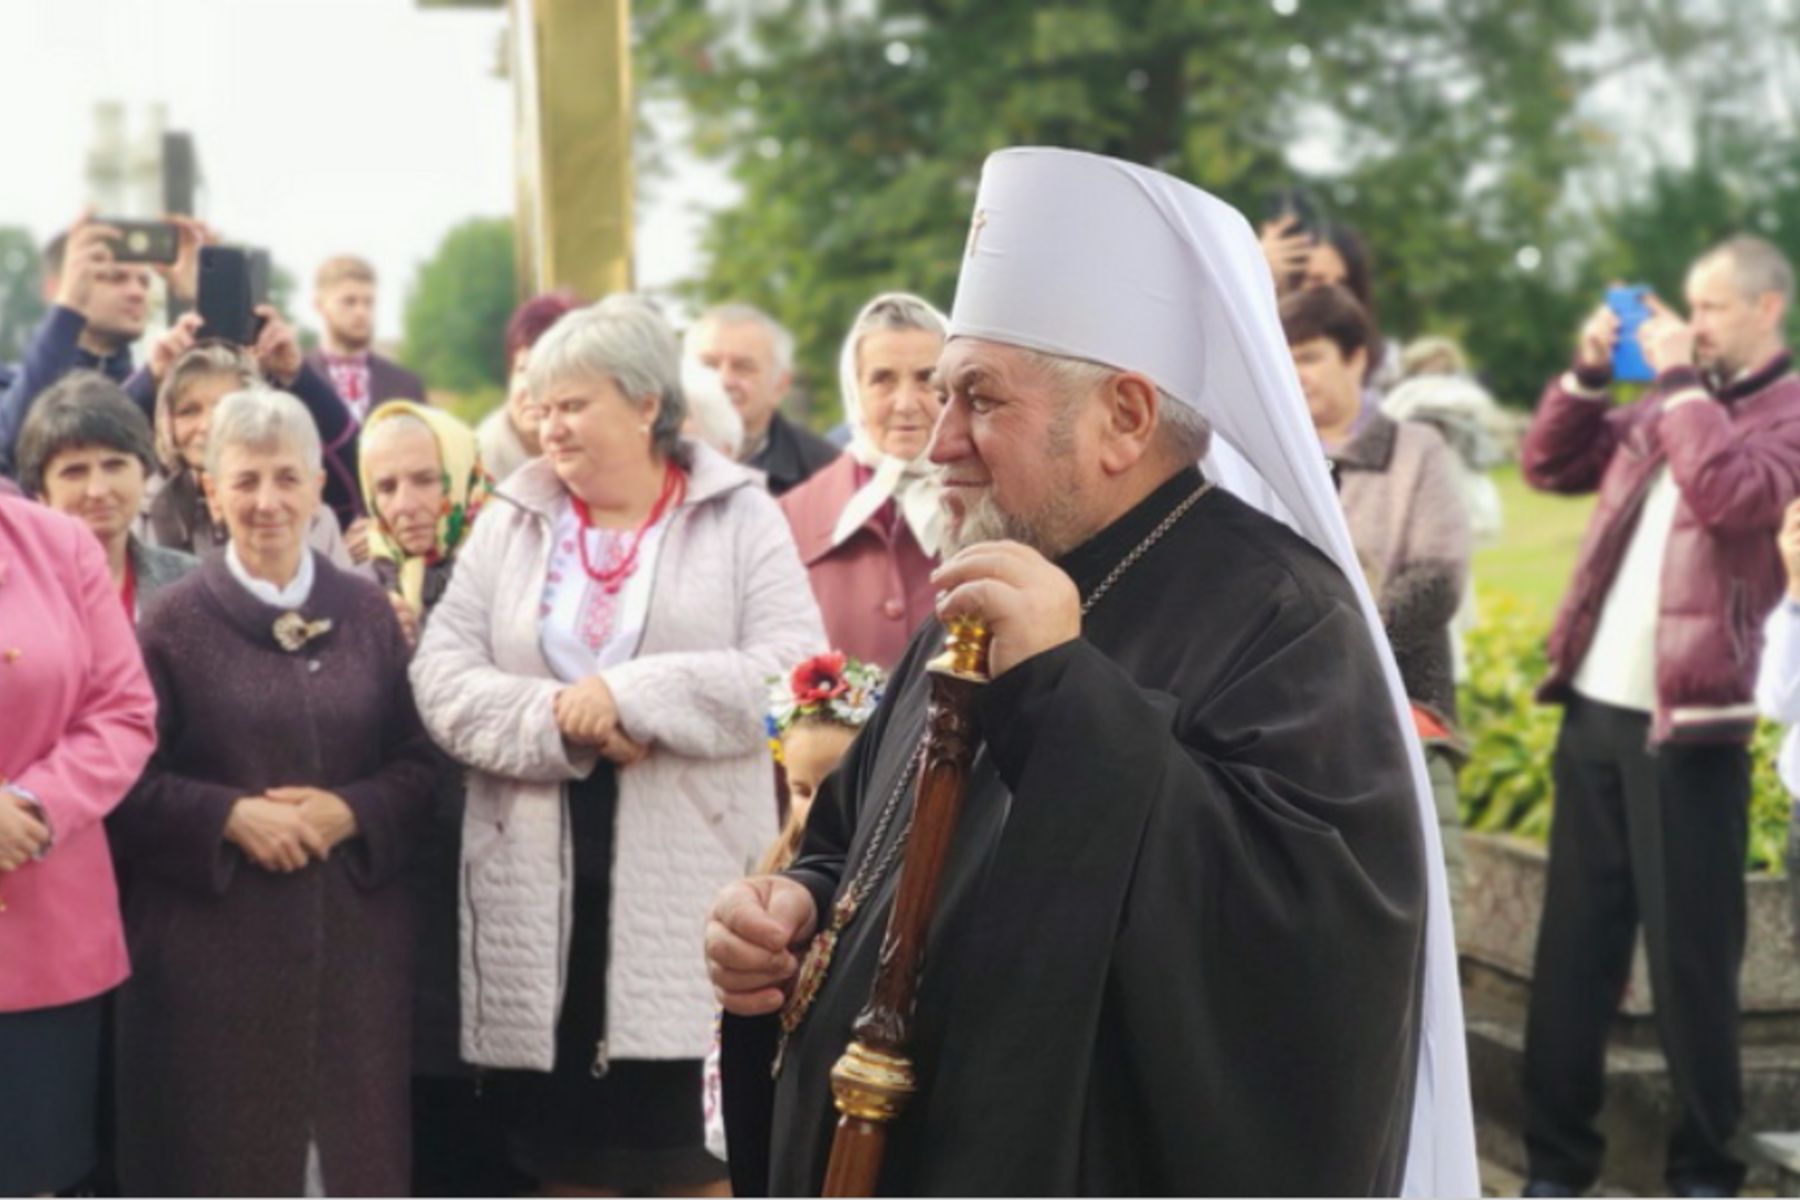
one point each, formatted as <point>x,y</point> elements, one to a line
<point>289,597</point>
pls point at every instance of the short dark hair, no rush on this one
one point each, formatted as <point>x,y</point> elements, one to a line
<point>1327,312</point>
<point>1358,277</point>
<point>83,408</point>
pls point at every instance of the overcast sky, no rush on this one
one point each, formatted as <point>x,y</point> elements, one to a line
<point>323,126</point>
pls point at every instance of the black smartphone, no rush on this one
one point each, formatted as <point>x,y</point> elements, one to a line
<point>1292,204</point>
<point>143,241</point>
<point>233,281</point>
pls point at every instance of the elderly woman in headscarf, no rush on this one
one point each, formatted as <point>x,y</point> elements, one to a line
<point>598,663</point>
<point>264,1037</point>
<point>868,525</point>
<point>423,484</point>
<point>181,517</point>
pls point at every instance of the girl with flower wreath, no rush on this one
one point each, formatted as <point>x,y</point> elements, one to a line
<point>815,712</point>
<point>814,715</point>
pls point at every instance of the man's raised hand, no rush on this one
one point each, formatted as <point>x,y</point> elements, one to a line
<point>1026,601</point>
<point>87,253</point>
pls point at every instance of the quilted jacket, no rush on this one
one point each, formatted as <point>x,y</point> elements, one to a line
<point>730,607</point>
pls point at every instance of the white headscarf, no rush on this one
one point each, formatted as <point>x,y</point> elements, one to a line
<point>1087,257</point>
<point>913,484</point>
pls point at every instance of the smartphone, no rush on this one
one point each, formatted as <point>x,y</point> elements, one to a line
<point>143,241</point>
<point>1630,304</point>
<point>233,281</point>
<point>1292,204</point>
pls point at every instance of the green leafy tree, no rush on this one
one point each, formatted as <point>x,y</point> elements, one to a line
<point>21,295</point>
<point>858,131</point>
<point>457,308</point>
<point>1485,147</point>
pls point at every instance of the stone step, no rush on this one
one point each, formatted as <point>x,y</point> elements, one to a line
<point>1781,1151</point>
<point>1639,1111</point>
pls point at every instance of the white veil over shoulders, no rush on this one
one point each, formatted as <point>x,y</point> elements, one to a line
<point>1090,257</point>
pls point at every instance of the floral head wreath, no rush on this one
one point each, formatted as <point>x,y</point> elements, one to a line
<point>832,687</point>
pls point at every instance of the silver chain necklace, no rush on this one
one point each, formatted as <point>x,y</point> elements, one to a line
<point>872,870</point>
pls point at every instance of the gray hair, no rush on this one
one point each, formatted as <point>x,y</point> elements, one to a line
<point>625,339</point>
<point>213,358</point>
<point>266,420</point>
<point>781,342</point>
<point>1757,266</point>
<point>83,408</point>
<point>207,361</point>
<point>1179,427</point>
<point>1432,355</point>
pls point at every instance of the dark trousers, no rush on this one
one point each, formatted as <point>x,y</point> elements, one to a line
<point>1657,838</point>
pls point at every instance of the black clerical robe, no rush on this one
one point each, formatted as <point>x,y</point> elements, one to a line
<point>1180,941</point>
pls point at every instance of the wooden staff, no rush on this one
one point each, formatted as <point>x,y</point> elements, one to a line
<point>874,1079</point>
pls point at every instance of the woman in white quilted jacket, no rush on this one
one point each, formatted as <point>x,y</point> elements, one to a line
<point>598,663</point>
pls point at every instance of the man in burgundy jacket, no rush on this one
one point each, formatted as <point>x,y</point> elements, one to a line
<point>1654,655</point>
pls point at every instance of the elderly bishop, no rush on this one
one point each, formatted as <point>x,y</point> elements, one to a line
<point>1191,934</point>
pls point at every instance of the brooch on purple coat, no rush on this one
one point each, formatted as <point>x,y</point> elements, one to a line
<point>293,631</point>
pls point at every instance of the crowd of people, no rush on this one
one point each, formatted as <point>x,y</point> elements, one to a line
<point>369,778</point>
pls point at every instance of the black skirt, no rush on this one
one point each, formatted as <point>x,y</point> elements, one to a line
<point>48,1089</point>
<point>632,1126</point>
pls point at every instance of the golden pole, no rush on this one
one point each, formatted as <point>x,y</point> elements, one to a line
<point>571,70</point>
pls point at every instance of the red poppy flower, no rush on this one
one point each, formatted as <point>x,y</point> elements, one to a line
<point>820,678</point>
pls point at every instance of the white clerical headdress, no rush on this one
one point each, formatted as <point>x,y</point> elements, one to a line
<point>1089,257</point>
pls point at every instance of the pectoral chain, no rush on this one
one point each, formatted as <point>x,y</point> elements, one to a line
<point>880,855</point>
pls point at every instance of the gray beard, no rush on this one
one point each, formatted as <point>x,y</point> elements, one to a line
<point>1046,531</point>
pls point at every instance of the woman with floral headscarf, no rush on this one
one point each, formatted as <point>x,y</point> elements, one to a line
<point>423,483</point>
<point>867,525</point>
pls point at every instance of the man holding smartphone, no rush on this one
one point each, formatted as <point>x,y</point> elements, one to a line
<point>1654,656</point>
<point>98,308</point>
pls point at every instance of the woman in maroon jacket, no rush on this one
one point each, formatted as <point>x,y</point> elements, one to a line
<point>264,1039</point>
<point>867,525</point>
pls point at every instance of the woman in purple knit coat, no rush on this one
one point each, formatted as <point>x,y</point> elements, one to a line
<point>264,1037</point>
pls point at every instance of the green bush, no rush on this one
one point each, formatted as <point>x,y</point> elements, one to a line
<point>1506,786</point>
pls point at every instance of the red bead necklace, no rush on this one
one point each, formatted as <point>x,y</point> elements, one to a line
<point>622,555</point>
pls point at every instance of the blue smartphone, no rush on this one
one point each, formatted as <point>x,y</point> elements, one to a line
<point>1630,306</point>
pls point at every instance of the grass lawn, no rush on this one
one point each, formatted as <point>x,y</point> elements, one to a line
<point>1533,559</point>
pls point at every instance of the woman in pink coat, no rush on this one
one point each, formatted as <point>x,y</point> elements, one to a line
<point>80,724</point>
<point>867,525</point>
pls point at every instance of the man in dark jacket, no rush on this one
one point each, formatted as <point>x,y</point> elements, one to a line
<point>344,297</point>
<point>1654,654</point>
<point>754,357</point>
